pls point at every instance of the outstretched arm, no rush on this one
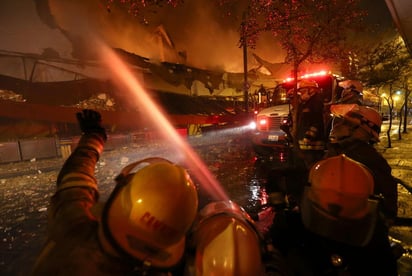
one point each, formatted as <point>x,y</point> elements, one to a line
<point>76,183</point>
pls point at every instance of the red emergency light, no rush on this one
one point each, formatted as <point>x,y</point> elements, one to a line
<point>311,75</point>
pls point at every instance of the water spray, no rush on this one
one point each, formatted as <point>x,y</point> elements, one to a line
<point>193,162</point>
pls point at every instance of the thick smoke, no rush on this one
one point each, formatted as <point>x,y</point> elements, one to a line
<point>200,34</point>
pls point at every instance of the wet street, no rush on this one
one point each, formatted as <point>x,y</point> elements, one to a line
<point>25,189</point>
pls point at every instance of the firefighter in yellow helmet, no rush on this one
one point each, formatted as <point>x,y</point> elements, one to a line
<point>310,126</point>
<point>341,209</point>
<point>351,93</point>
<point>224,241</point>
<point>142,227</point>
<point>337,229</point>
<point>307,89</point>
<point>355,129</point>
<point>339,195</point>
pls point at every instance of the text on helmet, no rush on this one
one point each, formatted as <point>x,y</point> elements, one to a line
<point>155,224</point>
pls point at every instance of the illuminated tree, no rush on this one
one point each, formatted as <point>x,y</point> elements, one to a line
<point>313,31</point>
<point>406,87</point>
<point>387,67</point>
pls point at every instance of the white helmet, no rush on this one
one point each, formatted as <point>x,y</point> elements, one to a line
<point>337,203</point>
<point>150,212</point>
<point>225,242</point>
<point>365,117</point>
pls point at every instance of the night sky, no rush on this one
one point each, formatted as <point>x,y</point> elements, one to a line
<point>31,26</point>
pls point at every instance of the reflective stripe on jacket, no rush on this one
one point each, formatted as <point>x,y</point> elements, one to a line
<point>72,247</point>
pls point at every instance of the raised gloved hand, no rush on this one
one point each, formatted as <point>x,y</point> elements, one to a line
<point>90,122</point>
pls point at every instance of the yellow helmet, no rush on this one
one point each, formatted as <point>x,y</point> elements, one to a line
<point>307,83</point>
<point>307,88</point>
<point>150,212</point>
<point>337,203</point>
<point>365,117</point>
<point>225,242</point>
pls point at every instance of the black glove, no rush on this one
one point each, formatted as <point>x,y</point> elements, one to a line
<point>90,122</point>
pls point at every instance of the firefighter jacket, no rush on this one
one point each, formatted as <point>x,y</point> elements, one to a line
<point>385,184</point>
<point>73,247</point>
<point>311,133</point>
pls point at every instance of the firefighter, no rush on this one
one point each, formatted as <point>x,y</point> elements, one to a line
<point>341,208</point>
<point>224,241</point>
<point>351,93</point>
<point>263,97</point>
<point>337,228</point>
<point>310,127</point>
<point>142,227</point>
<point>355,130</point>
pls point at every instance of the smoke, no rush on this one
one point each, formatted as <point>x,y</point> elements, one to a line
<point>204,37</point>
<point>200,34</point>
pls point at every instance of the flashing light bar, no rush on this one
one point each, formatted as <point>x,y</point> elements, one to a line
<point>307,76</point>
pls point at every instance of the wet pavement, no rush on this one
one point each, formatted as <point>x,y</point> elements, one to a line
<point>399,157</point>
<point>25,188</point>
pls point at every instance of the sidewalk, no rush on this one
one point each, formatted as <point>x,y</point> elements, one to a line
<point>399,156</point>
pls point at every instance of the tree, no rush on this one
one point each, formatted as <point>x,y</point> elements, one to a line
<point>405,86</point>
<point>308,31</point>
<point>387,67</point>
<point>390,102</point>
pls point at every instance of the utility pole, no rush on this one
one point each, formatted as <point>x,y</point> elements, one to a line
<point>245,80</point>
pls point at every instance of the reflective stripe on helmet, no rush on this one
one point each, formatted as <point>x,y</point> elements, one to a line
<point>366,117</point>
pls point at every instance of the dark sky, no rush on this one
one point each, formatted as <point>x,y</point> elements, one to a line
<point>196,27</point>
<point>379,18</point>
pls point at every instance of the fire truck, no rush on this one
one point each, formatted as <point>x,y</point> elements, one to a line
<point>270,121</point>
<point>273,121</point>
